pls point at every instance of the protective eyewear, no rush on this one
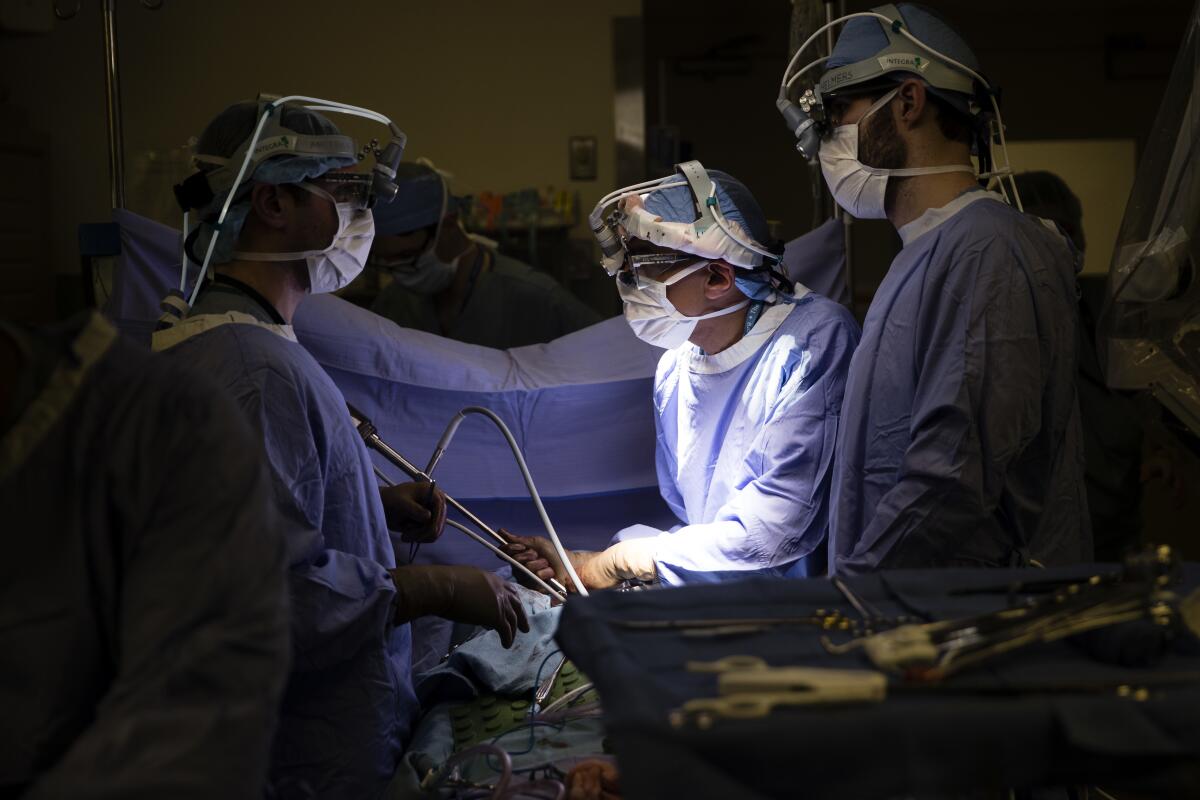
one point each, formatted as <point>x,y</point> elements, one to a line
<point>353,188</point>
<point>641,271</point>
<point>614,231</point>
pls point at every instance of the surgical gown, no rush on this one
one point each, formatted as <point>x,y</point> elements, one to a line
<point>745,444</point>
<point>512,305</point>
<point>143,609</point>
<point>349,704</point>
<point>961,441</point>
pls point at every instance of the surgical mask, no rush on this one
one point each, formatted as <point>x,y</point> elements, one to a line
<point>857,188</point>
<point>652,316</point>
<point>426,275</point>
<point>338,264</point>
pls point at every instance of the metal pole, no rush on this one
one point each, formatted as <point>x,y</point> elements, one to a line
<point>847,220</point>
<point>112,97</point>
<point>837,210</point>
<point>828,31</point>
<point>838,213</point>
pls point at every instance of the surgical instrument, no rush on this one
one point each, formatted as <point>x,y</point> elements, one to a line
<point>568,698</point>
<point>821,618</point>
<point>371,437</point>
<point>749,688</point>
<point>934,651</point>
<point>547,685</point>
<point>825,619</point>
<point>868,612</point>
<point>444,442</point>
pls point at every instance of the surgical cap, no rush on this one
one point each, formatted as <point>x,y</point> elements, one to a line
<point>737,206</point>
<point>863,37</point>
<point>1046,195</point>
<point>225,135</point>
<point>419,203</point>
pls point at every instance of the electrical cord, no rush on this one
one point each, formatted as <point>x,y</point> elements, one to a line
<point>658,183</point>
<point>488,750</point>
<point>532,790</point>
<point>720,220</point>
<point>530,721</point>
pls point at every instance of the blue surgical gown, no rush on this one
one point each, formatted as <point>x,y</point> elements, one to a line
<point>143,609</point>
<point>512,305</point>
<point>745,444</point>
<point>961,440</point>
<point>349,704</point>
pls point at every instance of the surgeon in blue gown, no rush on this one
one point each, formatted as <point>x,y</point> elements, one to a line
<point>746,407</point>
<point>443,280</point>
<point>960,442</point>
<point>143,608</point>
<point>294,228</point>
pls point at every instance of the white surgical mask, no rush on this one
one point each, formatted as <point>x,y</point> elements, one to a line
<point>655,320</point>
<point>338,264</point>
<point>857,188</point>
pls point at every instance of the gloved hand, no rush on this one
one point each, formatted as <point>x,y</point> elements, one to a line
<point>539,557</point>
<point>632,559</point>
<point>460,594</point>
<point>416,510</point>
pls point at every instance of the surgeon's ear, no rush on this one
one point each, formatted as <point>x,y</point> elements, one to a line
<point>272,205</point>
<point>720,280</point>
<point>911,102</point>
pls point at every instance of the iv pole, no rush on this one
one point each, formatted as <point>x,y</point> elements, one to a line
<point>112,91</point>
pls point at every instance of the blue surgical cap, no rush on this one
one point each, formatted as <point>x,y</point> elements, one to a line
<point>678,204</point>
<point>418,204</point>
<point>863,38</point>
<point>225,135</point>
